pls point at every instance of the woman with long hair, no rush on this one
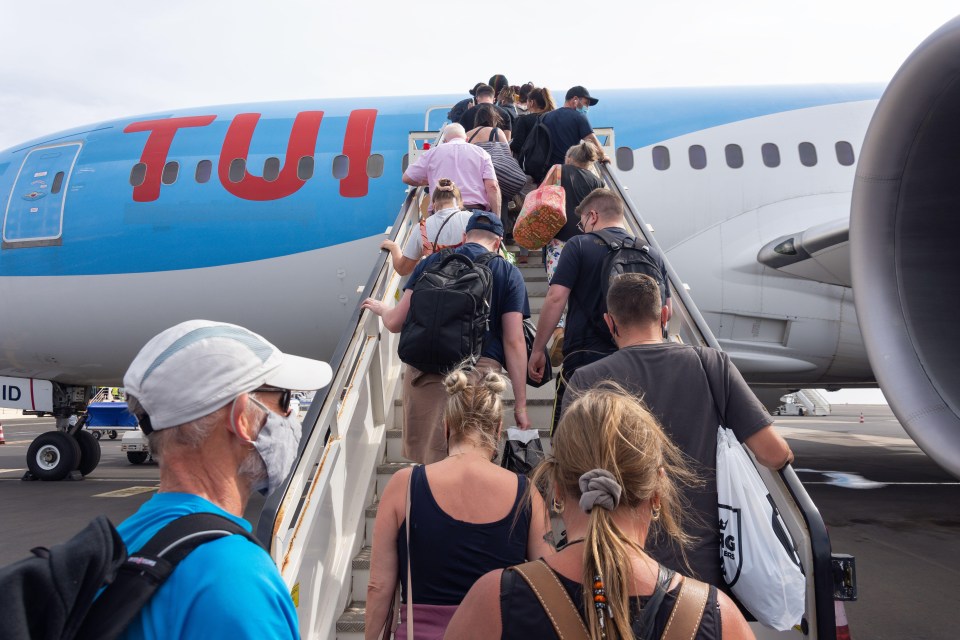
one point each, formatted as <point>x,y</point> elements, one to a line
<point>467,516</point>
<point>614,476</point>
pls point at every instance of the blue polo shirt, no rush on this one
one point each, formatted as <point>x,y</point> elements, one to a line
<point>229,588</point>
<point>509,295</point>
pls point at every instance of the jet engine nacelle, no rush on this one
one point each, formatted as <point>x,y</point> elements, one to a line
<point>905,245</point>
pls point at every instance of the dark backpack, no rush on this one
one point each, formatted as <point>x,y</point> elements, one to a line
<point>449,313</point>
<point>626,256</point>
<point>534,156</point>
<point>53,595</point>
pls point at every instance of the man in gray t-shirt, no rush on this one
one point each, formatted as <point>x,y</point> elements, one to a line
<point>690,390</point>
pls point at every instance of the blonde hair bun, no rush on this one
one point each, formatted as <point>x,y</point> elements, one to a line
<point>456,381</point>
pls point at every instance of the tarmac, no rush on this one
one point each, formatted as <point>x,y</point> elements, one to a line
<point>883,500</point>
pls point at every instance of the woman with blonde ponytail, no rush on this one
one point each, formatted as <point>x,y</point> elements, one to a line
<point>467,515</point>
<point>614,477</point>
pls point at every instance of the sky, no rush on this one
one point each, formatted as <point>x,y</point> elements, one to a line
<point>65,64</point>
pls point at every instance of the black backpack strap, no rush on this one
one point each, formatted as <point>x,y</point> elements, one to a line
<point>147,569</point>
<point>440,230</point>
<point>487,257</point>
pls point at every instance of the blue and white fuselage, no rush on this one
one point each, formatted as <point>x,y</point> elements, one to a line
<point>270,216</point>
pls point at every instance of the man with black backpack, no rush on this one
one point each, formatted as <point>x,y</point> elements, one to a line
<point>462,304</point>
<point>587,264</point>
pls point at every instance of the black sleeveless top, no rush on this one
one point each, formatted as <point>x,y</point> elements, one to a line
<point>449,555</point>
<point>523,617</point>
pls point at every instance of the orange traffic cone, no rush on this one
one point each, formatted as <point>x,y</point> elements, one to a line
<point>2,439</point>
<point>861,417</point>
<point>843,627</point>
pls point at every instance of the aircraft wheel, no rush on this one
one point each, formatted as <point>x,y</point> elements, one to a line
<point>112,434</point>
<point>52,455</point>
<point>137,457</point>
<point>89,451</point>
<point>97,434</point>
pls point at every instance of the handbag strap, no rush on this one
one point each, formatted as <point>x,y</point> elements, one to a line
<point>493,134</point>
<point>721,419</point>
<point>688,611</point>
<point>436,241</point>
<point>554,599</point>
<point>409,560</point>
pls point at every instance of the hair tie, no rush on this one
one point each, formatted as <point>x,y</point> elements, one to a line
<point>445,187</point>
<point>599,489</point>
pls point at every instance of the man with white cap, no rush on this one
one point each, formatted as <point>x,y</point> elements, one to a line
<point>214,401</point>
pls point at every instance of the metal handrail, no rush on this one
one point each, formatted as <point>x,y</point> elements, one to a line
<point>271,509</point>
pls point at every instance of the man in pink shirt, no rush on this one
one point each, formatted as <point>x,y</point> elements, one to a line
<point>469,166</point>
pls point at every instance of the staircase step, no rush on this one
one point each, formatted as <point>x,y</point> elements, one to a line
<point>385,471</point>
<point>350,624</point>
<point>361,574</point>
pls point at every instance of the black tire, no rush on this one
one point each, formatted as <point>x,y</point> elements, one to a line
<point>97,434</point>
<point>53,455</point>
<point>89,451</point>
<point>112,434</point>
<point>137,457</point>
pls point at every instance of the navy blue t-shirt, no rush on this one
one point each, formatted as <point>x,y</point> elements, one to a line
<point>579,270</point>
<point>567,127</point>
<point>509,295</point>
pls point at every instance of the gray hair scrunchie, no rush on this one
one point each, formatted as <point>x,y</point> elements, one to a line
<point>599,489</point>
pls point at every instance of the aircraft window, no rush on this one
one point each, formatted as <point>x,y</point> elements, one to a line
<point>138,174</point>
<point>57,182</point>
<point>734,156</point>
<point>204,169</point>
<point>238,168</point>
<point>170,172</point>
<point>624,158</point>
<point>271,169</point>
<point>771,154</point>
<point>698,156</point>
<point>341,167</point>
<point>661,158</point>
<point>405,163</point>
<point>845,153</point>
<point>375,166</point>
<point>305,168</point>
<point>808,154</point>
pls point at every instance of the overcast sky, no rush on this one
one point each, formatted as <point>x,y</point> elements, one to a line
<point>65,64</point>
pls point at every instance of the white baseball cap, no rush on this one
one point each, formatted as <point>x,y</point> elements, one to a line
<point>193,369</point>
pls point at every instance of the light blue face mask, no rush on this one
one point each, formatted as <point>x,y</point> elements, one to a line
<point>583,109</point>
<point>277,443</point>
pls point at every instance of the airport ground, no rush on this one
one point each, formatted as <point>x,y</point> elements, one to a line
<point>884,501</point>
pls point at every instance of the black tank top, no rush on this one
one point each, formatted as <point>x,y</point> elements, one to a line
<point>449,555</point>
<point>523,617</point>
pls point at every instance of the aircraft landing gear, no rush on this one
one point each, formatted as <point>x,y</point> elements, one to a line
<point>53,455</point>
<point>69,452</point>
<point>137,457</point>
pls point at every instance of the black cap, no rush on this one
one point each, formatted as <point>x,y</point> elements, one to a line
<point>581,92</point>
<point>485,221</point>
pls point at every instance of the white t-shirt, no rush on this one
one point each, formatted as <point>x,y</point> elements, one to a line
<point>451,234</point>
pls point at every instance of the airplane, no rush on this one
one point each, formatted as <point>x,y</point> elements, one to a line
<point>270,216</point>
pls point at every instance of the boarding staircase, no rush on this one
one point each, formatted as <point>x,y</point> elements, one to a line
<point>319,526</point>
<point>813,402</point>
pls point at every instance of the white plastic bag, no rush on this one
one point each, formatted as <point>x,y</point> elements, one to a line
<point>759,559</point>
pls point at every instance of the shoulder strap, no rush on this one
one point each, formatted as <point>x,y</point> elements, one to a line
<point>437,238</point>
<point>493,134</point>
<point>721,418</point>
<point>554,599</point>
<point>474,134</point>
<point>612,243</point>
<point>145,571</point>
<point>409,559</point>
<point>485,258</point>
<point>688,611</point>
